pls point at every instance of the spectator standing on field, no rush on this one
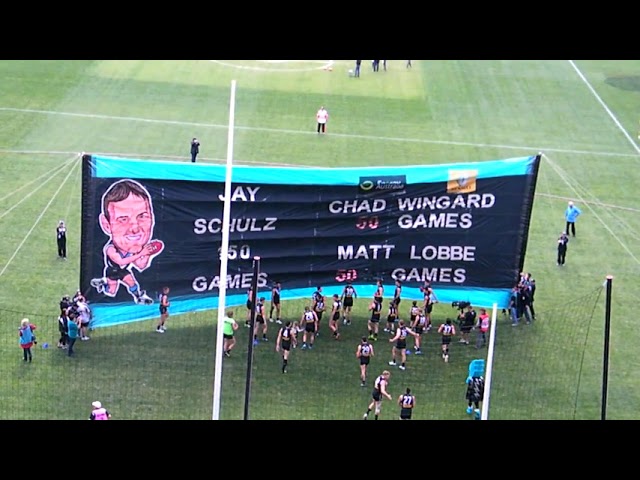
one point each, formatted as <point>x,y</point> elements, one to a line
<point>571,214</point>
<point>322,116</point>
<point>27,337</point>
<point>195,149</point>
<point>73,332</point>
<point>356,72</point>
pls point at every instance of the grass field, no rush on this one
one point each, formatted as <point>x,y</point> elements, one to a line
<point>581,115</point>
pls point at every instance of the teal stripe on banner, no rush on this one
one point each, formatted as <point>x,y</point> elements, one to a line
<point>111,167</point>
<point>106,315</point>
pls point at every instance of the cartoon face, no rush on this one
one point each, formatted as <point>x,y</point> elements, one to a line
<point>129,222</point>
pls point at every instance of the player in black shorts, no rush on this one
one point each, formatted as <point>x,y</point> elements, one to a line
<point>447,330</point>
<point>374,322</point>
<point>309,322</point>
<point>400,346</point>
<point>334,321</point>
<point>379,293</point>
<point>413,312</point>
<point>348,295</point>
<point>364,353</point>
<point>249,305</point>
<point>397,293</point>
<point>419,326</point>
<point>392,317</point>
<point>286,338</point>
<point>318,306</point>
<point>429,300</point>
<point>275,302</point>
<point>379,390</point>
<point>261,323</point>
<point>164,310</point>
<point>406,401</point>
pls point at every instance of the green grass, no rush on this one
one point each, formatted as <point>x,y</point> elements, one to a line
<point>438,112</point>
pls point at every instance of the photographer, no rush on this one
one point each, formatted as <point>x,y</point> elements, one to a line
<point>467,322</point>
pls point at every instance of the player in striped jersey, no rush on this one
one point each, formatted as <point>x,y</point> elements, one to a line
<point>348,295</point>
<point>400,346</point>
<point>260,322</point>
<point>379,293</point>
<point>407,402</point>
<point>275,302</point>
<point>447,330</point>
<point>379,390</point>
<point>413,312</point>
<point>392,317</point>
<point>419,326</point>
<point>286,338</point>
<point>364,353</point>
<point>334,320</point>
<point>374,322</point>
<point>308,321</point>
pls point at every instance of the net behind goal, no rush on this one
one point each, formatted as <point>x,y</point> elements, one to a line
<point>547,369</point>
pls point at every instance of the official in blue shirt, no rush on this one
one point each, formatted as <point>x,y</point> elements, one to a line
<point>571,214</point>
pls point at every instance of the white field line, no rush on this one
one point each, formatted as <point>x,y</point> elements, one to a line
<point>153,156</point>
<point>222,160</point>
<point>76,183</point>
<point>35,224</point>
<point>610,212</point>
<point>569,184</point>
<point>324,64</point>
<point>51,177</point>
<point>311,132</point>
<point>46,174</point>
<point>604,105</point>
<point>595,202</point>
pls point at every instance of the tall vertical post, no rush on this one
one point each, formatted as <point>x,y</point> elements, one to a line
<point>252,325</point>
<point>607,330</point>
<point>224,258</point>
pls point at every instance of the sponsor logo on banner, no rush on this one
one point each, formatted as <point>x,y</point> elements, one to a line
<point>462,181</point>
<point>382,183</point>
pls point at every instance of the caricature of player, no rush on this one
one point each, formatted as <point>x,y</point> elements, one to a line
<point>127,218</point>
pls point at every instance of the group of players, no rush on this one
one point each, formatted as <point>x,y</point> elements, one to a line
<point>341,306</point>
<point>74,321</point>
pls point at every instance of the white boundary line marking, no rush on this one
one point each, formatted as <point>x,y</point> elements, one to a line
<point>569,184</point>
<point>157,156</point>
<point>76,182</point>
<point>51,177</point>
<point>35,224</point>
<point>324,65</point>
<point>304,132</point>
<point>249,162</point>
<point>604,105</point>
<point>35,152</point>
<point>597,202</point>
<point>46,174</point>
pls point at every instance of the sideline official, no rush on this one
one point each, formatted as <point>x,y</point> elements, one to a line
<point>195,149</point>
<point>61,237</point>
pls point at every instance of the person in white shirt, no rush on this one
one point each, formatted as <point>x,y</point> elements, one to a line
<point>85,318</point>
<point>322,117</point>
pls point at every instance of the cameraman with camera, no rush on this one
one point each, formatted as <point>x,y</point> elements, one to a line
<point>467,321</point>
